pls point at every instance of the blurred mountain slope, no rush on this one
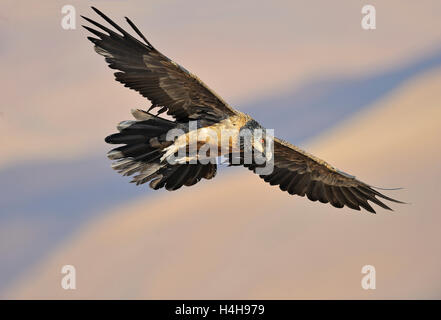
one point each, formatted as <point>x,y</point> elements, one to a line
<point>60,196</point>
<point>237,237</point>
<point>60,100</point>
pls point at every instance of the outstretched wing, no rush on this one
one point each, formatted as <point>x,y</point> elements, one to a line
<point>300,173</point>
<point>164,82</point>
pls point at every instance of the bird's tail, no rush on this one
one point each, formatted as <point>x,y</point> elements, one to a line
<point>144,141</point>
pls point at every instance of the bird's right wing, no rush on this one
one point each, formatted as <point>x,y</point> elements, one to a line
<point>164,82</point>
<point>300,173</point>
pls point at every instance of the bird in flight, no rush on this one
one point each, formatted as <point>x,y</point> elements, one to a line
<point>146,149</point>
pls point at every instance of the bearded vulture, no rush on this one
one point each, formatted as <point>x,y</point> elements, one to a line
<point>147,148</point>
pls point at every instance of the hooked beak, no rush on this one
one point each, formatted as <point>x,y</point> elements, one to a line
<point>259,147</point>
<point>268,156</point>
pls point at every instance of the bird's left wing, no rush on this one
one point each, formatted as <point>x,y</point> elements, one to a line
<point>300,173</point>
<point>164,82</point>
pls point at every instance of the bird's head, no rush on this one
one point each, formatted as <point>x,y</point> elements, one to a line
<point>252,137</point>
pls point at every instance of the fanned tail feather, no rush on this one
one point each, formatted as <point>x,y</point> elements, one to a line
<point>144,141</point>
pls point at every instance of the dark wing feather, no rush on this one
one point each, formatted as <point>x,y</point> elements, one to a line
<point>303,174</point>
<point>165,83</point>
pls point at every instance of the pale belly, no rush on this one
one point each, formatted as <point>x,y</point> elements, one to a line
<point>204,143</point>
